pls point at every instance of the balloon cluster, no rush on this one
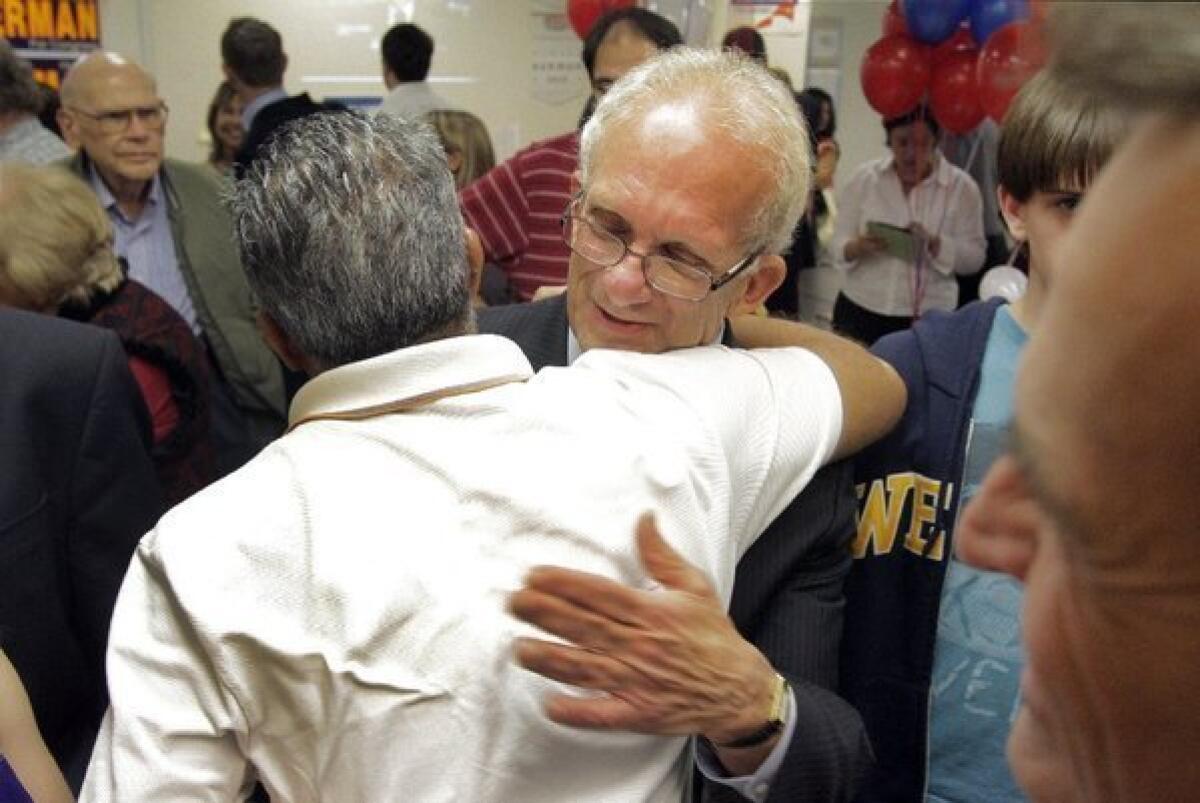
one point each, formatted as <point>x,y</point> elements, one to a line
<point>583,14</point>
<point>930,50</point>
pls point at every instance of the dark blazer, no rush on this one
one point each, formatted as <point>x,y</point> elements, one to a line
<point>272,117</point>
<point>78,492</point>
<point>787,596</point>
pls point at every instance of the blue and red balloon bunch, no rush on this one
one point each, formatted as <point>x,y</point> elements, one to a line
<point>930,52</point>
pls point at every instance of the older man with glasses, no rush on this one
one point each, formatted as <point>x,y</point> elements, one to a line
<point>693,172</point>
<point>176,238</point>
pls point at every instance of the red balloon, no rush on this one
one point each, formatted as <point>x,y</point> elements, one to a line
<point>893,21</point>
<point>954,93</point>
<point>960,42</point>
<point>1011,56</point>
<point>584,13</point>
<point>895,75</point>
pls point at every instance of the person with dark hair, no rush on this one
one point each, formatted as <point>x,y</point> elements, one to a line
<point>826,118</point>
<point>797,298</point>
<point>332,619</point>
<point>407,52</point>
<point>254,62</point>
<point>23,138</point>
<point>931,654</point>
<point>815,278</point>
<point>515,207</point>
<point>224,122</point>
<point>907,224</point>
<point>746,40</point>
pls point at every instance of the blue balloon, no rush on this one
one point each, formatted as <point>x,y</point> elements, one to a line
<point>933,21</point>
<point>988,16</point>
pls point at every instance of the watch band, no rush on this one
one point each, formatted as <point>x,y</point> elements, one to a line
<point>775,721</point>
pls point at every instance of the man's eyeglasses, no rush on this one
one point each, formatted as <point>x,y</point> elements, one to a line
<point>118,121</point>
<point>667,275</point>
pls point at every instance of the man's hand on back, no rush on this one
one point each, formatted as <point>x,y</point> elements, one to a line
<point>669,661</point>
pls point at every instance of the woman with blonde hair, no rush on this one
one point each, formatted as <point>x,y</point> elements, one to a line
<point>469,154</point>
<point>57,258</point>
<point>466,142</point>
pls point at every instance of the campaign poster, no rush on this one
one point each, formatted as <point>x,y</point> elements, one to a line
<point>50,34</point>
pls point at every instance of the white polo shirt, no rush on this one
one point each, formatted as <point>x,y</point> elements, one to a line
<point>331,618</point>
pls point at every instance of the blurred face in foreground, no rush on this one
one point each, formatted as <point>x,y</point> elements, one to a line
<point>1094,510</point>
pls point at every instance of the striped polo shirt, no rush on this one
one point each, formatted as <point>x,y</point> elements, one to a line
<point>516,208</point>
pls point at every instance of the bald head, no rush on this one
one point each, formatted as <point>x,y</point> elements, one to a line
<point>89,77</point>
<point>112,112</point>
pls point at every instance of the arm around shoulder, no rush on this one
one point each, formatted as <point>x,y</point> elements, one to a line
<point>873,395</point>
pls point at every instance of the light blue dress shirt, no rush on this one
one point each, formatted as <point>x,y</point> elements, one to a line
<point>148,246</point>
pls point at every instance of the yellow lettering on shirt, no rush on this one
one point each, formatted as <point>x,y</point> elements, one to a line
<point>879,517</point>
<point>881,509</point>
<point>924,514</point>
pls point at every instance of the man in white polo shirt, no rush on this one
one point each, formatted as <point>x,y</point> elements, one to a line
<point>330,620</point>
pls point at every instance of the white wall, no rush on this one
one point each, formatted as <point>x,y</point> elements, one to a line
<point>860,131</point>
<point>483,59</point>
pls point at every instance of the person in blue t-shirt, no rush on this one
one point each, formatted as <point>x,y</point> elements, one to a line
<point>932,653</point>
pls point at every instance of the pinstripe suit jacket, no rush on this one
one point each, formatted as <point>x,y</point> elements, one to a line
<point>787,596</point>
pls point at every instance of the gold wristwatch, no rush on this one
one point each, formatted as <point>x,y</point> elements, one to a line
<point>775,720</point>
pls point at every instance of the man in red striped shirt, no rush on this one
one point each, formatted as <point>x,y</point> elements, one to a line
<point>517,206</point>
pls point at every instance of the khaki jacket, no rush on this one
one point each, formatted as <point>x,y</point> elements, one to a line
<point>208,259</point>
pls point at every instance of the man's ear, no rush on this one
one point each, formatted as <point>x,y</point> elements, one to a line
<point>1014,214</point>
<point>474,259</point>
<point>280,343</point>
<point>765,280</point>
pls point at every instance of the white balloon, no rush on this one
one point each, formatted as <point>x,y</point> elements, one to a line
<point>1003,281</point>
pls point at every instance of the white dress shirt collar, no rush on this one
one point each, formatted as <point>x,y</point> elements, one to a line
<point>406,373</point>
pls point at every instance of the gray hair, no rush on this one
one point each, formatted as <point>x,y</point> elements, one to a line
<point>351,237</point>
<point>1142,56</point>
<point>18,91</point>
<point>736,96</point>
